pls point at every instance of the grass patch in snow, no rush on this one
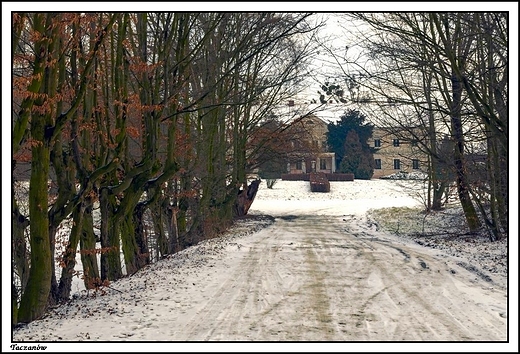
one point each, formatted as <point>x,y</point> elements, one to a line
<point>398,220</point>
<point>417,222</point>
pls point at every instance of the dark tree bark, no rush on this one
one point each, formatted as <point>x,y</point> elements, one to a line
<point>460,167</point>
<point>245,198</point>
<point>68,259</point>
<point>91,276</point>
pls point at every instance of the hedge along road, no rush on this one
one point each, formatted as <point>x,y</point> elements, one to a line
<point>316,278</point>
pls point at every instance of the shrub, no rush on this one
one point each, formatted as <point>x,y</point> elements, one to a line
<point>271,182</point>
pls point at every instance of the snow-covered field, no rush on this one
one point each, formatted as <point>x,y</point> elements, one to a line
<point>327,269</point>
<point>356,196</point>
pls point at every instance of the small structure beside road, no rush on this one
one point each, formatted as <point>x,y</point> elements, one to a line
<point>319,182</point>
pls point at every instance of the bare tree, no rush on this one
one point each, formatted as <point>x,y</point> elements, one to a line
<point>428,75</point>
<point>145,120</point>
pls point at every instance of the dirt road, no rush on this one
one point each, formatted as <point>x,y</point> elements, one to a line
<point>316,278</point>
<point>303,278</point>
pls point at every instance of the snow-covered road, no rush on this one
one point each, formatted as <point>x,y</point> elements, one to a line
<point>324,279</point>
<point>320,272</point>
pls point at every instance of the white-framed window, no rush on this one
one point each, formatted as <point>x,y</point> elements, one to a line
<point>415,164</point>
<point>323,164</point>
<point>397,164</point>
<point>377,143</point>
<point>396,142</point>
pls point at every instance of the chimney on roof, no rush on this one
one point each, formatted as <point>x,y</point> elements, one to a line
<point>291,103</point>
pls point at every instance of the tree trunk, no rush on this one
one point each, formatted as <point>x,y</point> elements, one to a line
<point>245,198</point>
<point>143,256</point>
<point>20,252</point>
<point>458,136</point>
<point>68,260</point>
<point>34,299</point>
<point>157,212</point>
<point>91,276</point>
<point>110,254</point>
<point>435,182</point>
<point>129,246</point>
<point>20,256</point>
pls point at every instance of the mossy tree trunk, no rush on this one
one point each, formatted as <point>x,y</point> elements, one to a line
<point>68,259</point>
<point>34,299</point>
<point>110,255</point>
<point>20,256</point>
<point>88,252</point>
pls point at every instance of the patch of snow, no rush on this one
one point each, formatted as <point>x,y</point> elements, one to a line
<point>407,176</point>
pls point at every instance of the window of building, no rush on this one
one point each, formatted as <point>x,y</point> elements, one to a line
<point>377,143</point>
<point>397,164</point>
<point>298,165</point>
<point>414,143</point>
<point>323,164</point>
<point>396,142</point>
<point>378,164</point>
<point>415,164</point>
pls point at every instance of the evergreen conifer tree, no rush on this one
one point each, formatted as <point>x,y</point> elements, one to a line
<point>353,154</point>
<point>356,159</point>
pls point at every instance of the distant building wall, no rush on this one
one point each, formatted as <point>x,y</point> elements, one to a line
<point>395,154</point>
<point>315,158</point>
<point>322,162</point>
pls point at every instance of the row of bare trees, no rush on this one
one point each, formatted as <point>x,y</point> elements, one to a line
<point>142,123</point>
<point>441,81</point>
